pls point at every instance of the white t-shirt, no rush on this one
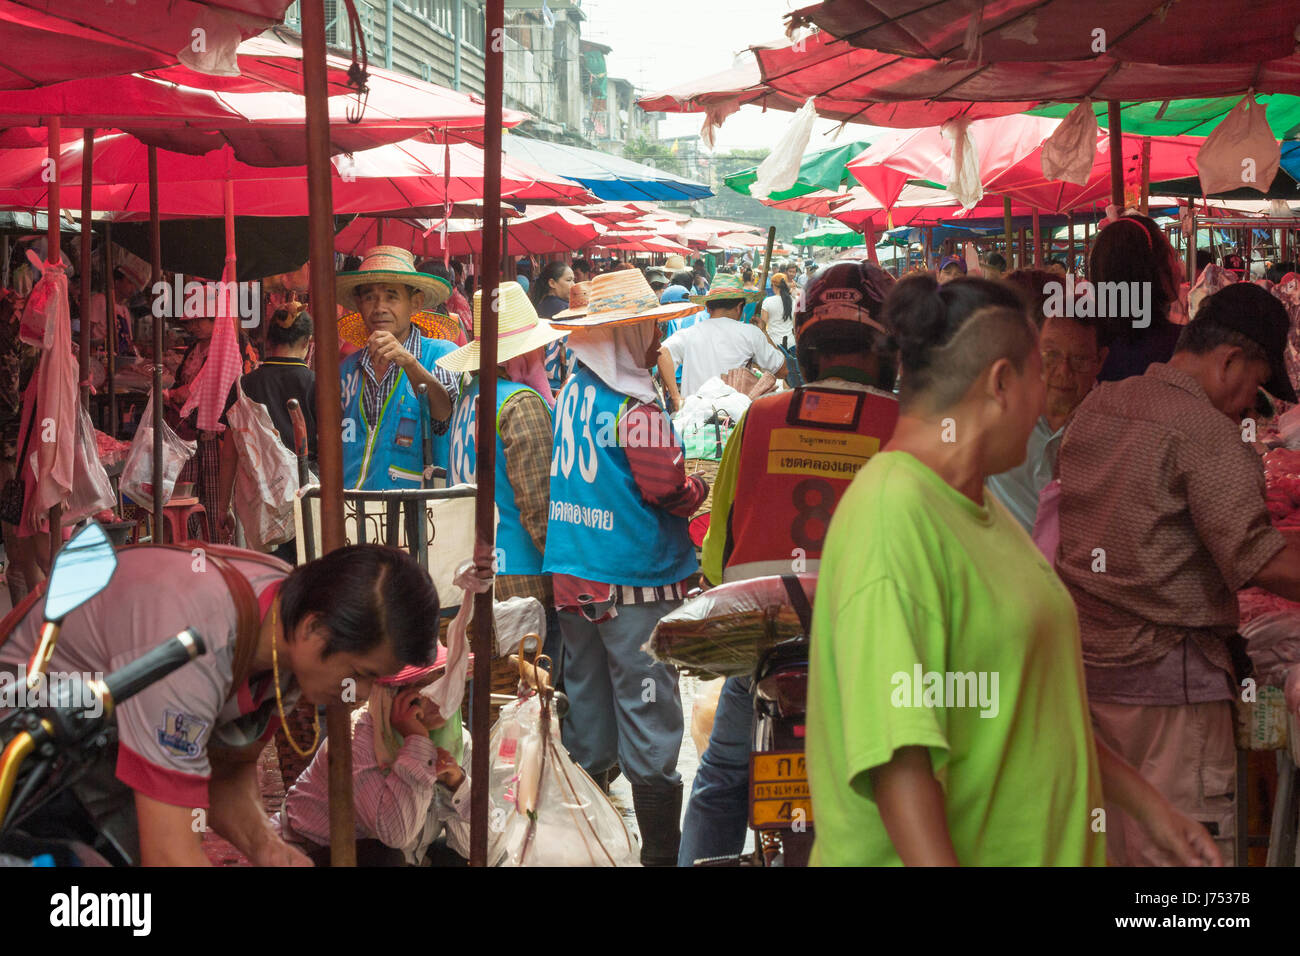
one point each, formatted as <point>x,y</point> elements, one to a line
<point>714,346</point>
<point>779,327</point>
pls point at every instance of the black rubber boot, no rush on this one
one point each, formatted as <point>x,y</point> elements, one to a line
<point>659,818</point>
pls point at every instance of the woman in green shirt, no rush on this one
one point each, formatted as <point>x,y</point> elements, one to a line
<point>948,721</point>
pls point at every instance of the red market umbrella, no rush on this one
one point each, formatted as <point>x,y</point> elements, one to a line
<point>45,43</point>
<point>647,242</point>
<point>537,232</point>
<point>1148,31</point>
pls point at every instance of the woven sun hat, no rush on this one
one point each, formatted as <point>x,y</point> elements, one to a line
<point>433,325</point>
<point>392,264</point>
<point>675,263</point>
<point>727,286</point>
<point>519,330</point>
<point>579,294</point>
<point>623,296</point>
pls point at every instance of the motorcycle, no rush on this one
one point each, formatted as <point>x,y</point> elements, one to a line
<point>50,746</point>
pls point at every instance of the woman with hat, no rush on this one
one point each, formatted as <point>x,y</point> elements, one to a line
<point>619,551</point>
<point>719,343</point>
<point>399,351</point>
<point>523,430</point>
<point>410,789</point>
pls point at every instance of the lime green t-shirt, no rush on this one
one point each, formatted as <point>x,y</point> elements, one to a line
<point>937,623</point>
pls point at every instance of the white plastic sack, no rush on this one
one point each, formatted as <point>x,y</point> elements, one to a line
<point>137,474</point>
<point>1241,151</point>
<point>213,41</point>
<point>92,492</point>
<point>964,183</point>
<point>781,168</point>
<point>516,618</point>
<point>1070,152</point>
<point>266,478</point>
<point>545,810</point>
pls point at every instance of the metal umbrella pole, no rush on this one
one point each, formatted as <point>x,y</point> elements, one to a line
<point>155,257</point>
<point>484,510</point>
<point>329,412</point>
<point>53,254</point>
<point>83,363</point>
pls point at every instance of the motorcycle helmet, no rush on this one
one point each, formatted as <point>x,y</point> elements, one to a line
<point>840,311</point>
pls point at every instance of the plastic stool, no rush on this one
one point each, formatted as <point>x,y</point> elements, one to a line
<point>177,513</point>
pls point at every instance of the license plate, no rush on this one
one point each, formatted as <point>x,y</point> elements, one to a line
<point>779,796</point>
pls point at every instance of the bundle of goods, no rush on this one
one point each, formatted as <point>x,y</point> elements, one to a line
<point>1282,496</point>
<point>706,419</point>
<point>749,383</point>
<point>111,451</point>
<point>724,631</point>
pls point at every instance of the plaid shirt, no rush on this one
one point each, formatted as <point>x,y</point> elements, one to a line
<point>375,390</point>
<point>526,437</point>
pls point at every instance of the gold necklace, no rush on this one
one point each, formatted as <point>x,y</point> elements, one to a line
<point>279,701</point>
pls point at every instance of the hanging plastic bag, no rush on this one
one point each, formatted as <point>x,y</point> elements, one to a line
<point>266,478</point>
<point>964,184</point>
<point>1241,151</point>
<point>137,474</point>
<point>546,811</point>
<point>92,492</point>
<point>1071,151</point>
<point>781,168</point>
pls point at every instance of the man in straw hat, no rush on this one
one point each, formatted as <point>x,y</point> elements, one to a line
<point>381,412</point>
<point>619,551</point>
<point>523,430</point>
<point>718,344</point>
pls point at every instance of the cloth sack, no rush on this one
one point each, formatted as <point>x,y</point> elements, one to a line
<point>1241,151</point>
<point>266,478</point>
<point>1071,150</point>
<point>137,474</point>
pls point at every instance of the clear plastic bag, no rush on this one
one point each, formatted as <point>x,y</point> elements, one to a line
<point>92,492</point>
<point>1240,151</point>
<point>781,167</point>
<point>266,479</point>
<point>546,811</point>
<point>137,473</point>
<point>1070,152</point>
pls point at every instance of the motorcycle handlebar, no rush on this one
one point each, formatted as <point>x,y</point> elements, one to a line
<point>127,681</point>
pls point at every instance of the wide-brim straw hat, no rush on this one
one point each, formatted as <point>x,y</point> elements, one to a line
<point>579,296</point>
<point>519,330</point>
<point>392,264</point>
<point>727,287</point>
<point>352,328</point>
<point>675,263</point>
<point>621,297</point>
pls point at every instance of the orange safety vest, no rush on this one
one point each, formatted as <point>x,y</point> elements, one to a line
<point>799,451</point>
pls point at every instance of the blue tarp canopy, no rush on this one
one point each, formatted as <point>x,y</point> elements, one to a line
<point>610,178</point>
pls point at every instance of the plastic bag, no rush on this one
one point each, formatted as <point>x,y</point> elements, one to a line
<point>781,168</point>
<point>137,473</point>
<point>92,492</point>
<point>1070,152</point>
<point>724,631</point>
<point>267,476</point>
<point>964,183</point>
<point>1241,151</point>
<point>546,811</point>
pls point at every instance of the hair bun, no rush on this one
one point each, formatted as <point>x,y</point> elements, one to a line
<point>915,310</point>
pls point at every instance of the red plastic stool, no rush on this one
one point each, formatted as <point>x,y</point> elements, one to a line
<point>177,513</point>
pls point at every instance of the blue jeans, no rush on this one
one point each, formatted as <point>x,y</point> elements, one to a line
<point>718,813</point>
<point>624,706</point>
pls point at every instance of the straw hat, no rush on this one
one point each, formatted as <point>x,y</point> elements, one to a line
<point>579,294</point>
<point>727,287</point>
<point>675,263</point>
<point>623,296</point>
<point>392,264</point>
<point>519,330</point>
<point>434,325</point>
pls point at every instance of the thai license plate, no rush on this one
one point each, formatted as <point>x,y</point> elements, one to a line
<point>779,796</point>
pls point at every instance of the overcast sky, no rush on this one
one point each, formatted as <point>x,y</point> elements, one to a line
<point>661,43</point>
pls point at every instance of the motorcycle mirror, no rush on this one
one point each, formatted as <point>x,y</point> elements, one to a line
<point>81,570</point>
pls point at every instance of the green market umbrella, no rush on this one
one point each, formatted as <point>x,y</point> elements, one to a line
<point>822,169</point>
<point>829,236</point>
<point>1192,117</point>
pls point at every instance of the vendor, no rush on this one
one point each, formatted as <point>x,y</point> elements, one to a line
<point>1163,521</point>
<point>408,782</point>
<point>382,445</point>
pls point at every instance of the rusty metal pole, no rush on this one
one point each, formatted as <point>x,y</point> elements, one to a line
<point>1070,245</point>
<point>1006,231</point>
<point>869,234</point>
<point>110,309</point>
<point>767,257</point>
<point>83,373</point>
<point>1038,240</point>
<point>155,255</point>
<point>329,410</point>
<point>1116,130</point>
<point>485,510</point>
<point>53,254</point>
<point>1144,203</point>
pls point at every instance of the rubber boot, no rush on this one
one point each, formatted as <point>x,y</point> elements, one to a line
<point>659,818</point>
